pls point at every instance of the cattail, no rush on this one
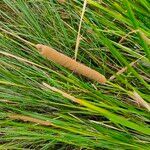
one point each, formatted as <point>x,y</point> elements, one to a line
<point>70,63</point>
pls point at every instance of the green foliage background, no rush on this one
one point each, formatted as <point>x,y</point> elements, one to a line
<point>114,33</point>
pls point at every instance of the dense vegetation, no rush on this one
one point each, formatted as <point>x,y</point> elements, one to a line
<point>46,106</point>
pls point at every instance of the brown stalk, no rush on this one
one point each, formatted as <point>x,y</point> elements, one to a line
<point>79,29</point>
<point>72,98</point>
<point>122,70</point>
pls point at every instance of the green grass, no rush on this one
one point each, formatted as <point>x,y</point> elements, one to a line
<point>105,115</point>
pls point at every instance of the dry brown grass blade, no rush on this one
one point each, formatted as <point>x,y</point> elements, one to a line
<point>120,71</point>
<point>124,37</point>
<point>145,38</point>
<point>8,101</point>
<point>72,98</point>
<point>70,63</point>
<point>124,69</point>
<point>134,95</point>
<point>30,119</point>
<point>61,1</point>
<point>79,29</point>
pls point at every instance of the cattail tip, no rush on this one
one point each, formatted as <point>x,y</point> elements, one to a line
<point>39,47</point>
<point>102,80</point>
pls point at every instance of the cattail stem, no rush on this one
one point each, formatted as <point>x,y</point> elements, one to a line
<point>70,63</point>
<point>18,37</point>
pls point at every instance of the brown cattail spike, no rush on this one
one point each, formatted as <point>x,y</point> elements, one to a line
<point>70,63</point>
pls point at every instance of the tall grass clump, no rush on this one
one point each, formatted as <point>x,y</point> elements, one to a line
<point>44,105</point>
